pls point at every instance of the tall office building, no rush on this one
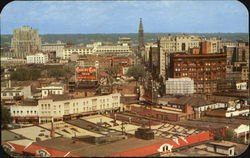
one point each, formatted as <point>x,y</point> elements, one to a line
<point>25,40</point>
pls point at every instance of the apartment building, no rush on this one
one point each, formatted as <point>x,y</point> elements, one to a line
<point>38,58</point>
<point>61,106</point>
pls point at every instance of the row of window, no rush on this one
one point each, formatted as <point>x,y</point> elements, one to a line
<point>21,112</point>
<point>10,94</point>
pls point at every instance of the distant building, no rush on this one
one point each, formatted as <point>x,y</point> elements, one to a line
<point>112,49</point>
<point>57,47</point>
<point>9,61</point>
<point>123,41</point>
<point>77,50</point>
<point>205,47</point>
<point>38,58</point>
<point>25,40</point>
<point>180,86</point>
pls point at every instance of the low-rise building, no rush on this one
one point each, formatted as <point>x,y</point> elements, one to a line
<point>38,58</point>
<point>11,92</point>
<point>56,107</point>
<point>222,148</point>
<point>53,88</point>
<point>182,86</point>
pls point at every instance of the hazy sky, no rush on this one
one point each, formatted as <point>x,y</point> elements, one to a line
<point>123,16</point>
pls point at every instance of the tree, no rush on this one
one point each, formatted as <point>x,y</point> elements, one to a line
<point>5,117</point>
<point>25,74</point>
<point>136,71</point>
<point>112,71</point>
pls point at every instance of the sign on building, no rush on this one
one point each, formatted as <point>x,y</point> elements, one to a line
<point>86,73</point>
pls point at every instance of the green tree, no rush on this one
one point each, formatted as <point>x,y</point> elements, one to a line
<point>5,117</point>
<point>24,74</point>
<point>112,71</point>
<point>136,71</point>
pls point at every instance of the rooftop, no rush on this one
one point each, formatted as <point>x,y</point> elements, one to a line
<point>100,150</point>
<point>190,100</point>
<point>8,135</point>
<point>33,133</point>
<point>223,144</point>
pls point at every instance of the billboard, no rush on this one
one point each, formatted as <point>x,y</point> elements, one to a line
<point>86,73</point>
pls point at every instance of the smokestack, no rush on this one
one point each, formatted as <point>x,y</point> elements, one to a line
<point>9,84</point>
<point>52,132</point>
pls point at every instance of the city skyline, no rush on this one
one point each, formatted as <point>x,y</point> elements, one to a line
<point>53,17</point>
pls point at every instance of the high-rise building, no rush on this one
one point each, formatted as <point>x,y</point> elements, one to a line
<point>25,40</point>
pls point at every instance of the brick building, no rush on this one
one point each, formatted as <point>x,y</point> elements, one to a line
<point>205,47</point>
<point>204,69</point>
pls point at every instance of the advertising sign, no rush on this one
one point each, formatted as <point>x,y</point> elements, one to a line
<point>86,73</point>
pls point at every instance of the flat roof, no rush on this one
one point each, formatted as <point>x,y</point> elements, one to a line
<point>8,135</point>
<point>33,132</point>
<point>223,144</point>
<point>69,130</point>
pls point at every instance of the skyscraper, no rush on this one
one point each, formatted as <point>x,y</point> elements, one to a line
<point>25,40</point>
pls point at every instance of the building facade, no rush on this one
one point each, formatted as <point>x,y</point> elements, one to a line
<point>181,86</point>
<point>204,69</point>
<point>25,40</point>
<point>67,52</point>
<point>38,58</point>
<point>54,88</point>
<point>11,92</point>
<point>56,109</point>
<point>56,47</point>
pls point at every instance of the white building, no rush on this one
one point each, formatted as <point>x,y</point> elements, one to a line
<point>23,111</point>
<point>38,58</point>
<point>52,108</point>
<point>79,50</point>
<point>54,88</point>
<point>57,47</point>
<point>11,92</point>
<point>112,49</point>
<point>241,86</point>
<point>179,86</point>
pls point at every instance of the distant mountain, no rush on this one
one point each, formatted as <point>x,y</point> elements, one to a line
<point>113,38</point>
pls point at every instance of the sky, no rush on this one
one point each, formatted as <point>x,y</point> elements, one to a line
<point>88,17</point>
